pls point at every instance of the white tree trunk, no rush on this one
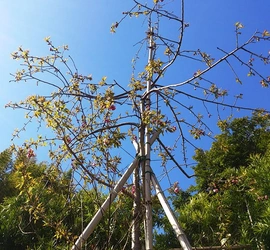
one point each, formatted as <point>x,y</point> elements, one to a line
<point>148,223</point>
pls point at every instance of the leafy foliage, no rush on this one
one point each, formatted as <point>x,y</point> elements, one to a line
<point>42,212</point>
<point>6,185</point>
<point>240,139</point>
<point>231,199</point>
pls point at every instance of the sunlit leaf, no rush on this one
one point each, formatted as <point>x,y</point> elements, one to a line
<point>239,25</point>
<point>265,33</point>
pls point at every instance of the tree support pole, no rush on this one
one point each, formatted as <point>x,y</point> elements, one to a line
<point>135,239</point>
<point>136,219</point>
<point>170,215</point>
<point>100,213</point>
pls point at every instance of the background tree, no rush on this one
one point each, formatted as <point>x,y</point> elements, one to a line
<point>6,187</point>
<point>240,139</point>
<point>39,211</point>
<point>90,121</point>
<point>42,209</point>
<point>231,199</point>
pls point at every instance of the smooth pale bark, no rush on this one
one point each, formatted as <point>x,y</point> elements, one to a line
<point>148,223</point>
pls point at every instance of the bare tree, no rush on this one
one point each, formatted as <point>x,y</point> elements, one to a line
<point>91,122</point>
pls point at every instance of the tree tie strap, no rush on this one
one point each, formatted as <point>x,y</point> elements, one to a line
<point>149,172</point>
<point>142,158</point>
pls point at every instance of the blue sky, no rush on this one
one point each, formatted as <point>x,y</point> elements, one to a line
<point>85,27</point>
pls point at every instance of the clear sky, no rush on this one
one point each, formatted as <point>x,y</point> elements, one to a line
<point>85,26</point>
